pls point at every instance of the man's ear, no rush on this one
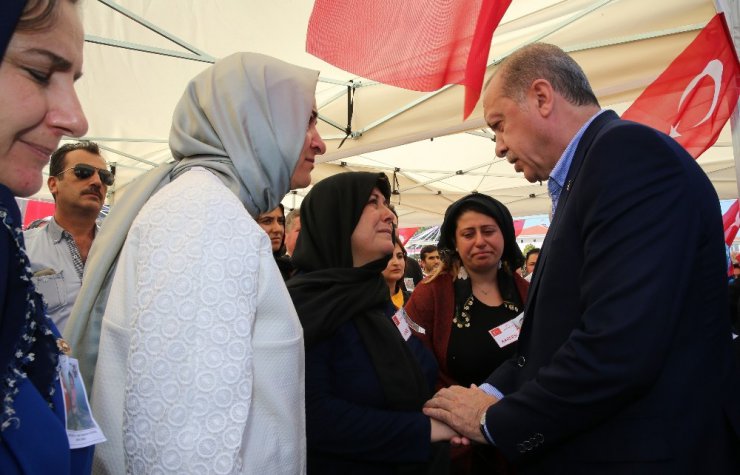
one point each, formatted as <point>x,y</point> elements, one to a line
<point>51,182</point>
<point>543,95</point>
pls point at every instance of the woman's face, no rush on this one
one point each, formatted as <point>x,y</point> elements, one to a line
<point>372,237</point>
<point>313,145</point>
<point>274,225</point>
<point>396,266</point>
<point>479,241</point>
<point>531,261</point>
<point>38,103</point>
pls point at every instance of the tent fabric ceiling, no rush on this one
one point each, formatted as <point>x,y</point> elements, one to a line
<point>129,94</point>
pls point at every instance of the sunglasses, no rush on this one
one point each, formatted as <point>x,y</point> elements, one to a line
<point>83,172</point>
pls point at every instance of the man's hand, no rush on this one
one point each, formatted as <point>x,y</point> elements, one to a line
<point>461,409</point>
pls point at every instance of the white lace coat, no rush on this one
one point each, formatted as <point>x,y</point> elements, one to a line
<point>201,365</point>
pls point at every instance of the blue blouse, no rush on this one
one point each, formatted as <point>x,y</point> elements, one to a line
<point>35,439</point>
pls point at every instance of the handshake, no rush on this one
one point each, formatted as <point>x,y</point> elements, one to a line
<point>456,414</point>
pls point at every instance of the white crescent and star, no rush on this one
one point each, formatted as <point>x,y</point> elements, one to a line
<point>713,69</point>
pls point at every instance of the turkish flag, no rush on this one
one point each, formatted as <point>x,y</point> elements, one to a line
<point>696,95</point>
<point>414,44</point>
<point>404,234</point>
<point>518,226</point>
<point>731,222</point>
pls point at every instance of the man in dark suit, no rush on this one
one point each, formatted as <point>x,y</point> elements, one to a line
<point>624,362</point>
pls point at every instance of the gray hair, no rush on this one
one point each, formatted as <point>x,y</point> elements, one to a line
<point>549,62</point>
<point>290,218</point>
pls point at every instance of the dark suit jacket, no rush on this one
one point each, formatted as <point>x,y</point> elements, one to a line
<point>413,270</point>
<point>624,362</point>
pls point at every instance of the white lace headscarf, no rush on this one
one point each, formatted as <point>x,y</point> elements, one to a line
<point>244,119</point>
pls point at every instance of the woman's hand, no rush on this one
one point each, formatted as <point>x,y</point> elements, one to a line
<point>441,432</point>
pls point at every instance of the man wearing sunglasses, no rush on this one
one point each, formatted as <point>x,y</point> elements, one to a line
<point>78,180</point>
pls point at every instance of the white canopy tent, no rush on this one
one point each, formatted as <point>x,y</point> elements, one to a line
<point>140,54</point>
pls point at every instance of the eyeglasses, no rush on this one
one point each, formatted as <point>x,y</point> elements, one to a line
<point>83,172</point>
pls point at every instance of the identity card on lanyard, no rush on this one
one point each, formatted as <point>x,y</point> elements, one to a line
<point>82,430</point>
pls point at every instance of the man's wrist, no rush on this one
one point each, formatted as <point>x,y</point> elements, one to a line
<point>491,391</point>
<point>484,429</point>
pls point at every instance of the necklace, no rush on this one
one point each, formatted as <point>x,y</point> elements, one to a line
<point>463,320</point>
<point>482,290</point>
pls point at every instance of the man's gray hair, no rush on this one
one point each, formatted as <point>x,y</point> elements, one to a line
<point>549,62</point>
<point>290,218</point>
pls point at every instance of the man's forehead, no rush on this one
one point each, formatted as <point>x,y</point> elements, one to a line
<point>83,156</point>
<point>491,99</point>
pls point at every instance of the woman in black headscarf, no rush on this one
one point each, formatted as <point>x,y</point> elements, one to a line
<point>366,377</point>
<point>37,105</point>
<point>468,310</point>
<point>273,222</point>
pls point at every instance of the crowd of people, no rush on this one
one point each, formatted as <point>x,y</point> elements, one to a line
<point>214,334</point>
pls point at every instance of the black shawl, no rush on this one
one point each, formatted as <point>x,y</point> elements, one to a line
<point>10,13</point>
<point>328,291</point>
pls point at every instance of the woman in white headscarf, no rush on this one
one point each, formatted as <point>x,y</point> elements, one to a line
<point>200,366</point>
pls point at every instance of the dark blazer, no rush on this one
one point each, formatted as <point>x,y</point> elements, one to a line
<point>413,270</point>
<point>624,362</point>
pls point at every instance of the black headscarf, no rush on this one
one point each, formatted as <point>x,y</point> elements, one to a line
<point>328,291</point>
<point>512,257</point>
<point>489,206</point>
<point>10,13</point>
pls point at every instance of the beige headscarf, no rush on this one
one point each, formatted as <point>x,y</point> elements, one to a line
<point>244,119</point>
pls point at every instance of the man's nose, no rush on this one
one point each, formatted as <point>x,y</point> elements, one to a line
<point>501,148</point>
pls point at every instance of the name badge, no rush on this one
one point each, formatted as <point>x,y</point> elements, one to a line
<point>82,430</point>
<point>399,319</point>
<point>508,332</point>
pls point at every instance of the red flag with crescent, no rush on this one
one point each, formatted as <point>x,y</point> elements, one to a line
<point>731,221</point>
<point>420,45</point>
<point>696,95</point>
<point>404,234</point>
